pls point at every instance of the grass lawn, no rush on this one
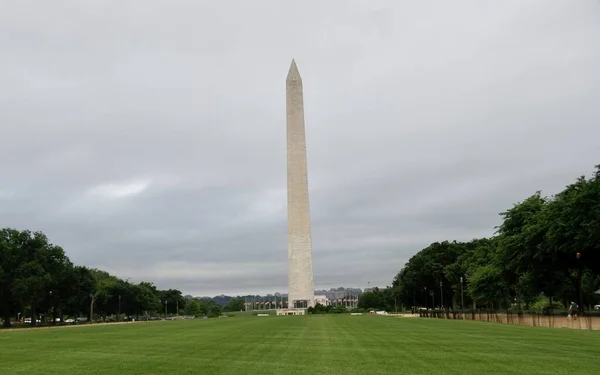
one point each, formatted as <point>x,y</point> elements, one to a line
<point>324,344</point>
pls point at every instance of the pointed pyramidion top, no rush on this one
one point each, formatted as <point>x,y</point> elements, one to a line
<point>293,73</point>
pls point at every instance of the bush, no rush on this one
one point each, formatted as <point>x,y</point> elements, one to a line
<point>541,304</point>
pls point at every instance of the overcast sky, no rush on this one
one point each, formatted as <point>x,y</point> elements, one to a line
<point>147,137</point>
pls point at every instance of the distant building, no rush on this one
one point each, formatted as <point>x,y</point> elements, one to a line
<point>322,299</point>
<point>291,311</point>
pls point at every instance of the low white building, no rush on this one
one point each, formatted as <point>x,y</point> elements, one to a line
<point>322,299</point>
<point>291,311</point>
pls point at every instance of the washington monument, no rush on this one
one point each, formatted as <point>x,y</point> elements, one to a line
<point>300,272</point>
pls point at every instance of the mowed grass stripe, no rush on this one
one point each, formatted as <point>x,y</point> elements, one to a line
<point>505,348</point>
<point>333,344</point>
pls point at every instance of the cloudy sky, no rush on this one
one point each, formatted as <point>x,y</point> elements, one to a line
<point>147,137</point>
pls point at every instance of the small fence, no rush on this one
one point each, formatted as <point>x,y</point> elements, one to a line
<point>588,322</point>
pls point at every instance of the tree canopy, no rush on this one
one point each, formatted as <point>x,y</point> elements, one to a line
<point>546,247</point>
<point>37,279</point>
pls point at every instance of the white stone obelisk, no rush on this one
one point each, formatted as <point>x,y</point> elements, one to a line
<point>300,271</point>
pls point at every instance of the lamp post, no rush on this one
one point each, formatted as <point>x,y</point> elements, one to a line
<point>166,303</point>
<point>91,308</point>
<point>119,318</point>
<point>462,298</point>
<point>441,296</point>
<point>432,293</point>
<point>579,282</point>
<point>52,309</point>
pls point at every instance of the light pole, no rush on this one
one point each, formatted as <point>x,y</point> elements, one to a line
<point>52,309</point>
<point>441,296</point>
<point>462,298</point>
<point>579,281</point>
<point>119,318</point>
<point>91,308</point>
<point>166,303</point>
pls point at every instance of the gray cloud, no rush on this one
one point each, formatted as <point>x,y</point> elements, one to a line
<point>148,138</point>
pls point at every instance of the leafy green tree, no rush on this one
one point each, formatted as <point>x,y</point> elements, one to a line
<point>487,285</point>
<point>439,263</point>
<point>532,254</point>
<point>236,304</point>
<point>37,278</point>
<point>81,286</point>
<point>572,229</point>
<point>193,308</point>
<point>33,276</point>
<point>520,250</point>
<point>210,308</point>
<point>61,289</point>
<point>172,300</point>
<point>379,299</point>
<point>214,311</point>
<point>147,299</point>
<point>11,256</point>
<point>100,297</point>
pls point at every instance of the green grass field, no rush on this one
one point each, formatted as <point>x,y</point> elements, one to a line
<point>327,344</point>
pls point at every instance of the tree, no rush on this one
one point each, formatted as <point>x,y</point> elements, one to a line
<point>172,300</point>
<point>544,246</point>
<point>437,263</point>
<point>209,307</point>
<point>101,295</point>
<point>378,299</point>
<point>236,304</point>
<point>214,310</point>
<point>37,278</point>
<point>147,298</point>
<point>573,238</point>
<point>81,286</point>
<point>40,265</point>
<point>193,308</point>
<point>61,289</point>
<point>11,242</point>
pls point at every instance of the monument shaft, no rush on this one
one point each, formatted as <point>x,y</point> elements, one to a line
<point>300,272</point>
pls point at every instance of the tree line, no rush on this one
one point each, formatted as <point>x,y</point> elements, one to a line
<point>38,281</point>
<point>544,255</point>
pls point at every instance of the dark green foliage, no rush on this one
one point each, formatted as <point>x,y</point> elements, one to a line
<point>321,309</point>
<point>379,299</point>
<point>533,254</point>
<point>236,304</point>
<point>37,280</point>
